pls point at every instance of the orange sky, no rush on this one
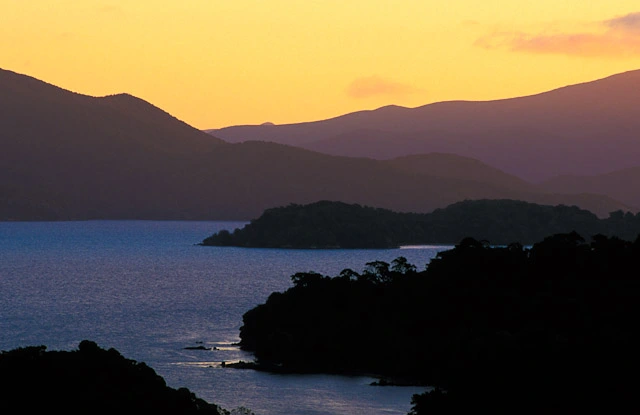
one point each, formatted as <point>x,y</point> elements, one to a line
<point>216,63</point>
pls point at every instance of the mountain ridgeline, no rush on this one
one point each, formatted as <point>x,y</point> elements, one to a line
<point>583,129</point>
<point>67,156</point>
<point>327,224</point>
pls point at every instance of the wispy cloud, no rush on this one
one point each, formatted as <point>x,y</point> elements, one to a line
<point>628,23</point>
<point>371,86</point>
<point>618,37</point>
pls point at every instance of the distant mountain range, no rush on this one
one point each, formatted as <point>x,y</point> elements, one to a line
<point>623,185</point>
<point>585,129</point>
<point>71,156</point>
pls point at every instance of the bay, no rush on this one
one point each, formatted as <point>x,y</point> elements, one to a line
<point>146,289</point>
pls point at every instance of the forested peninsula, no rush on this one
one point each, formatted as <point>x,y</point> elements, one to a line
<point>548,329</point>
<point>328,224</point>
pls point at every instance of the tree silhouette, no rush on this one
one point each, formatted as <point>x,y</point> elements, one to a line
<point>551,327</point>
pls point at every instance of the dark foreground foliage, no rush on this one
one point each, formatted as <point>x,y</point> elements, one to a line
<point>89,380</point>
<point>550,329</point>
<point>340,225</point>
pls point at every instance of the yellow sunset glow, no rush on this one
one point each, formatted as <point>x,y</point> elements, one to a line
<point>218,63</point>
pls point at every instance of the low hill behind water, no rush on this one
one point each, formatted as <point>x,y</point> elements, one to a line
<point>328,224</point>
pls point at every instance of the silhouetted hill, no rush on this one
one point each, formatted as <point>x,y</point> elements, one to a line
<point>328,224</point>
<point>89,380</point>
<point>254,176</point>
<point>588,128</point>
<point>502,330</point>
<point>458,167</point>
<point>76,156</point>
<point>622,185</point>
<point>72,156</point>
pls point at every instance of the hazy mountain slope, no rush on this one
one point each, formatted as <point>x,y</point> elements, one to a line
<point>71,156</point>
<point>464,168</point>
<point>89,157</point>
<point>253,176</point>
<point>622,185</point>
<point>588,128</point>
<point>458,167</point>
<point>308,132</point>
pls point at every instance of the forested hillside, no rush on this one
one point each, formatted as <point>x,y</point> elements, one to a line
<point>328,224</point>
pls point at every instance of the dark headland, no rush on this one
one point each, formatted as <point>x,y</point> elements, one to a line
<point>327,224</point>
<point>89,380</point>
<point>507,330</point>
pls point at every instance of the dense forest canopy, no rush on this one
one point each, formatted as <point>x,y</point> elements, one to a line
<point>327,224</point>
<point>509,329</point>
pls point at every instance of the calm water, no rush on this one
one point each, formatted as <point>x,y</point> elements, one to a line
<point>145,289</point>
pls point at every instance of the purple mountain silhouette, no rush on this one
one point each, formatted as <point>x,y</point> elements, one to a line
<point>71,156</point>
<point>585,129</point>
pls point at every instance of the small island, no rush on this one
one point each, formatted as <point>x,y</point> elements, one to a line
<point>548,329</point>
<point>338,225</point>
